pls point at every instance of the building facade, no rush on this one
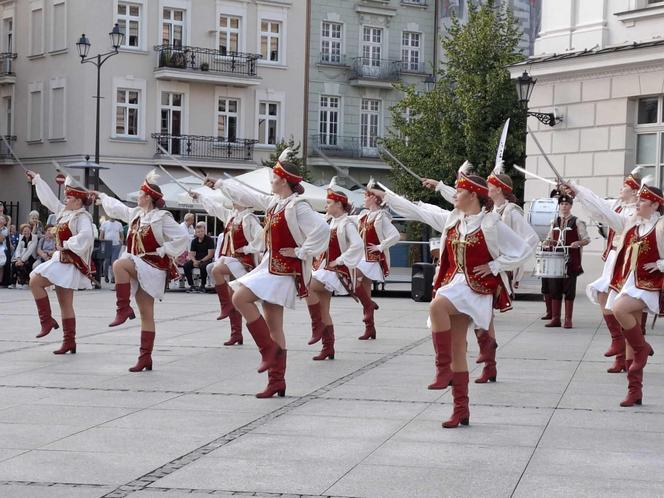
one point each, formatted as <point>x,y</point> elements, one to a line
<point>216,83</point>
<point>357,52</point>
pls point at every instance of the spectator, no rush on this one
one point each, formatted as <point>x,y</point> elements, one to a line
<point>201,253</point>
<point>45,247</point>
<point>5,254</point>
<point>217,252</point>
<point>188,225</point>
<point>35,224</point>
<point>114,231</point>
<point>13,238</point>
<point>24,257</point>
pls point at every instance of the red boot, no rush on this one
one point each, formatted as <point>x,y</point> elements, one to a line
<point>225,301</point>
<point>236,328</point>
<point>46,320</point>
<point>368,306</point>
<point>489,372</point>
<point>461,412</point>
<point>569,311</point>
<point>547,301</point>
<point>68,337</point>
<point>618,364</point>
<point>487,344</point>
<point>617,340</point>
<point>328,344</point>
<point>634,388</point>
<point>442,345</point>
<point>266,346</point>
<point>317,325</point>
<point>145,357</point>
<point>556,305</point>
<point>641,348</point>
<point>276,383</point>
<point>124,312</point>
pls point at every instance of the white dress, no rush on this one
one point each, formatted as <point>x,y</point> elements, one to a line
<point>81,242</point>
<point>172,238</point>
<point>388,236</point>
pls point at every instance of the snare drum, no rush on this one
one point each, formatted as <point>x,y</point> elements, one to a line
<point>550,264</point>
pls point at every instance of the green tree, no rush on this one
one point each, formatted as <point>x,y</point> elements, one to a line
<point>294,156</point>
<point>463,115</point>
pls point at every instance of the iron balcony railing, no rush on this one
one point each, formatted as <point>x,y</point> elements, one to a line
<point>366,68</point>
<point>7,63</point>
<point>4,150</point>
<point>199,59</point>
<point>343,146</point>
<point>204,147</point>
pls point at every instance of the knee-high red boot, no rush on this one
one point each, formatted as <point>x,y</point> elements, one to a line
<point>46,320</point>
<point>617,340</point>
<point>145,357</point>
<point>547,302</point>
<point>461,412</point>
<point>641,348</point>
<point>618,364</point>
<point>225,301</point>
<point>634,388</point>
<point>124,311</point>
<point>368,306</point>
<point>489,372</point>
<point>68,337</point>
<point>235,318</point>
<point>276,375</point>
<point>487,344</point>
<point>442,345</point>
<point>569,311</point>
<point>556,306</point>
<point>266,346</point>
<point>317,325</point>
<point>328,344</point>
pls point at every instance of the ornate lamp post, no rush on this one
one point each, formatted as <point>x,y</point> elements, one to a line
<point>524,88</point>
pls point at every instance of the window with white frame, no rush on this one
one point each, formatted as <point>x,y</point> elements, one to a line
<point>8,34</point>
<point>330,42</point>
<point>271,40</point>
<point>229,34</point>
<point>228,118</point>
<point>172,27</point>
<point>410,51</point>
<point>328,126</point>
<point>35,112</point>
<point>58,25</point>
<point>127,112</point>
<point>650,136</point>
<point>171,120</point>
<point>129,21</point>
<point>268,122</point>
<point>369,125</point>
<point>372,44</point>
<point>7,124</point>
<point>37,30</point>
<point>57,110</point>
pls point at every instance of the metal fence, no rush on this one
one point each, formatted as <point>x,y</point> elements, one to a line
<point>204,147</point>
<point>206,60</point>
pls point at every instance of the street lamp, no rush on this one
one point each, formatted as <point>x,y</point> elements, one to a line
<point>430,82</point>
<point>525,84</point>
<point>83,47</point>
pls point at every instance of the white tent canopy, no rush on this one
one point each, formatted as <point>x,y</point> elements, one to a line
<point>174,196</point>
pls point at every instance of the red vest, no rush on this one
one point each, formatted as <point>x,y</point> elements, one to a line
<point>574,262</point>
<point>609,239</point>
<point>234,239</point>
<point>370,237</point>
<point>278,236</point>
<point>62,233</point>
<point>141,241</point>
<point>462,256</point>
<point>333,252</point>
<point>635,252</point>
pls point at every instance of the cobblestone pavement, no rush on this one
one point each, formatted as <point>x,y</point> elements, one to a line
<point>79,426</point>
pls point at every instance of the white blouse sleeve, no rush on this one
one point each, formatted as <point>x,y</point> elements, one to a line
<point>659,231</point>
<point>447,192</point>
<point>84,238</point>
<point>215,207</point>
<point>176,238</point>
<point>514,251</point>
<point>244,195</point>
<point>254,234</point>
<point>390,233</point>
<point>599,209</point>
<point>434,216</point>
<point>116,209</point>
<point>46,196</point>
<point>315,229</point>
<point>519,224</point>
<point>352,256</point>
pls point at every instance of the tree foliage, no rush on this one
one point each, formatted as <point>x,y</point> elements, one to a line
<point>463,115</point>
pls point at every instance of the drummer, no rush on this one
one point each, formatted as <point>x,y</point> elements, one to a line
<point>572,233</point>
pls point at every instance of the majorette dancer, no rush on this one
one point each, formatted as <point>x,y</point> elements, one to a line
<point>378,234</point>
<point>638,275</point>
<point>598,291</point>
<point>504,203</point>
<point>153,240</point>
<point>69,268</point>
<point>294,235</point>
<point>477,248</point>
<point>335,272</point>
<point>241,250</point>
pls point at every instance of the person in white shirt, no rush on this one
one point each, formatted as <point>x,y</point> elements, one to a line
<point>188,225</point>
<point>112,230</point>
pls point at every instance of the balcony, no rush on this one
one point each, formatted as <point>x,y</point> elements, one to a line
<point>7,75</point>
<point>341,146</point>
<point>203,147</point>
<point>336,60</point>
<point>5,155</point>
<point>206,65</point>
<point>379,73</point>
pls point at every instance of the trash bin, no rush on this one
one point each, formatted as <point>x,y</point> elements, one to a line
<point>422,281</point>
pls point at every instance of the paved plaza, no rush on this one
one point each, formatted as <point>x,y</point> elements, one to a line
<point>80,426</point>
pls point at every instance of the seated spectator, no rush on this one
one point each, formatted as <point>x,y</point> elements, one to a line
<point>35,224</point>
<point>188,225</point>
<point>24,257</point>
<point>201,253</point>
<point>45,247</point>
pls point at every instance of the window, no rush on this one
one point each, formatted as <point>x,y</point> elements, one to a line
<point>35,112</point>
<point>37,31</point>
<point>8,112</point>
<point>372,42</point>
<point>229,34</point>
<point>268,122</point>
<point>8,30</point>
<point>57,110</point>
<point>369,126</point>
<point>410,51</point>
<point>172,28</point>
<point>227,118</point>
<point>58,25</point>
<point>172,105</point>
<point>127,109</point>
<point>650,136</point>
<point>271,41</point>
<point>328,127</point>
<point>330,44</point>
<point>129,21</point>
